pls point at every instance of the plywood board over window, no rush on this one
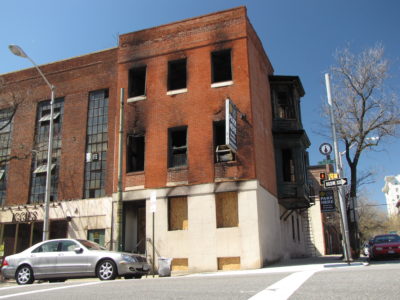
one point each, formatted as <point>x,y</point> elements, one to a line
<point>226,205</point>
<point>177,213</point>
<point>180,264</point>
<point>228,263</point>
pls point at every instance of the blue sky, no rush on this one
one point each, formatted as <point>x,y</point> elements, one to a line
<point>299,37</point>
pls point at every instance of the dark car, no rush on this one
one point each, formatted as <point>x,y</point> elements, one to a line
<point>58,260</point>
<point>384,245</point>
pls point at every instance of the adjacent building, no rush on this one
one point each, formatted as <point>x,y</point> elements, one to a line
<point>325,214</point>
<point>392,194</point>
<point>213,150</point>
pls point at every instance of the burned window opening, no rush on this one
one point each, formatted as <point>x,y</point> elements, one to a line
<point>177,147</point>
<point>288,165</point>
<point>135,153</point>
<point>137,82</point>
<point>221,66</point>
<point>177,74</point>
<point>222,152</point>
<point>284,106</point>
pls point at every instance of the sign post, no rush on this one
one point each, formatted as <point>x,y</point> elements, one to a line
<point>153,208</point>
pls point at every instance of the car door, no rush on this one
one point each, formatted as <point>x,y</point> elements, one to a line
<point>44,259</point>
<point>71,263</point>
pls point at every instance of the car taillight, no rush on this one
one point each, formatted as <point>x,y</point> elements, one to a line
<point>4,263</point>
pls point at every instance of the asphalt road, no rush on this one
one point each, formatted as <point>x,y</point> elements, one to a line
<point>315,281</point>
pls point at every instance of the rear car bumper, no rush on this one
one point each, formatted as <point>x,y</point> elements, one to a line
<point>386,253</point>
<point>8,272</point>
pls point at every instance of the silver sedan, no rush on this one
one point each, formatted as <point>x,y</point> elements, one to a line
<point>58,260</point>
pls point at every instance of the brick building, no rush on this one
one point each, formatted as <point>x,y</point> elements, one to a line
<point>219,204</point>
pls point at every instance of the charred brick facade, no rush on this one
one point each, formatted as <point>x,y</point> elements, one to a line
<point>176,80</point>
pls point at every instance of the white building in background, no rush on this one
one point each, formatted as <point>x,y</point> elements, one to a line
<point>392,194</point>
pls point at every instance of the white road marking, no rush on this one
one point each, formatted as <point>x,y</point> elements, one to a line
<point>284,288</point>
<point>50,289</point>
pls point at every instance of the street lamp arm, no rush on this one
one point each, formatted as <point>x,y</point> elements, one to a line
<point>16,50</point>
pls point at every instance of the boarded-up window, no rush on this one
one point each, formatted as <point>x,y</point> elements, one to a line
<point>180,264</point>
<point>177,213</point>
<point>228,263</point>
<point>227,209</point>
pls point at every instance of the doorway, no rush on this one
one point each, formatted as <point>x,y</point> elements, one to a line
<point>134,226</point>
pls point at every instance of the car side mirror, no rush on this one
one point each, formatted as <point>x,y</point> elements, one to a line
<point>78,250</point>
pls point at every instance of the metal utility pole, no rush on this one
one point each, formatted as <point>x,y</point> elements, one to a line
<point>120,191</point>
<point>345,234</point>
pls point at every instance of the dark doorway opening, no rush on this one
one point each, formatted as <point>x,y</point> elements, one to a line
<point>134,227</point>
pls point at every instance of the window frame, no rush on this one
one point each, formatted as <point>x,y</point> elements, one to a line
<point>218,63</point>
<point>171,150</point>
<point>141,76</point>
<point>129,153</point>
<point>175,69</point>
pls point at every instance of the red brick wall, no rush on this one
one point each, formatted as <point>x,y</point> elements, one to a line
<point>194,39</point>
<point>74,79</point>
<point>260,67</point>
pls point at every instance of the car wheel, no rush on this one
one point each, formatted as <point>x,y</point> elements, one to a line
<point>106,270</point>
<point>24,275</point>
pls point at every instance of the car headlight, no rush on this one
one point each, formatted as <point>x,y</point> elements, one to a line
<point>128,258</point>
<point>379,248</point>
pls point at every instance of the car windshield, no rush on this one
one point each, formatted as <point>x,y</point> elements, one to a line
<point>387,239</point>
<point>91,245</point>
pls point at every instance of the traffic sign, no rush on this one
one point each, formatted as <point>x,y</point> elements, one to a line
<point>333,176</point>
<point>325,149</point>
<point>335,182</point>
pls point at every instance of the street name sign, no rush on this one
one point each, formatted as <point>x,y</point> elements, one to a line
<point>326,162</point>
<point>335,182</point>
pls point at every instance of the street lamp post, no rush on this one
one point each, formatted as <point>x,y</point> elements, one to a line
<point>19,52</point>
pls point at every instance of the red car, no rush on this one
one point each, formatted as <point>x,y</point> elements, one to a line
<point>384,245</point>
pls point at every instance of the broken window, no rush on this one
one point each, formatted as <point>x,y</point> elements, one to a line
<point>222,151</point>
<point>288,165</point>
<point>135,154</point>
<point>284,107</point>
<point>137,82</point>
<point>177,147</point>
<point>177,74</point>
<point>177,213</point>
<point>39,162</point>
<point>221,66</point>
<point>226,206</point>
<point>96,144</point>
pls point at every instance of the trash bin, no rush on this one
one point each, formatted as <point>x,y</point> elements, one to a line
<point>164,266</point>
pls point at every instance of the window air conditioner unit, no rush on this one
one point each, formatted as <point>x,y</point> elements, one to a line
<point>223,153</point>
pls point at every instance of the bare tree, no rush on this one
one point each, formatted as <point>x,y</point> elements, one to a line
<point>372,220</point>
<point>10,102</point>
<point>363,108</point>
